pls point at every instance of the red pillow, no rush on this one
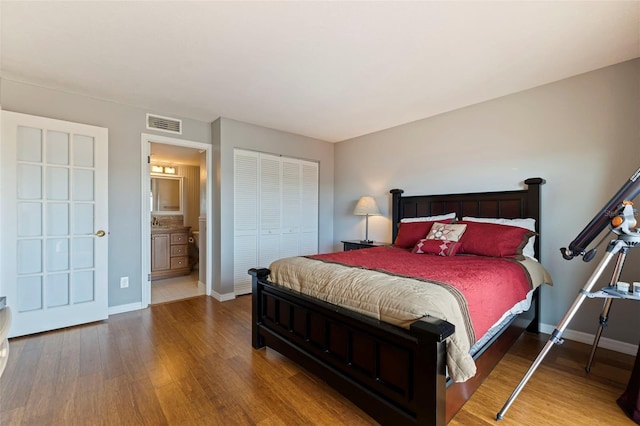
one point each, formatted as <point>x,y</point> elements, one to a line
<point>439,247</point>
<point>409,233</point>
<point>491,239</point>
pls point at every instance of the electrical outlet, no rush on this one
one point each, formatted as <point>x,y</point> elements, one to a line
<point>124,282</point>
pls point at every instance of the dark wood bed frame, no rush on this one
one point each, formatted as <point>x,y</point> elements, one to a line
<point>397,376</point>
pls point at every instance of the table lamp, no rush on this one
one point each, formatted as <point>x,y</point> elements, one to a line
<point>366,206</point>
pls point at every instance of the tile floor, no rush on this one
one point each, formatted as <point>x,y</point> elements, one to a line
<point>176,288</point>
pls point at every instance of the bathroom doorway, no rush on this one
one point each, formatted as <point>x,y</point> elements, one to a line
<point>176,194</point>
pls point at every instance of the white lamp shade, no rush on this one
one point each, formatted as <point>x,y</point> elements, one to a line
<point>366,206</point>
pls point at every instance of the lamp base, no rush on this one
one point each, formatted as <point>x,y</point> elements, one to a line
<point>366,241</point>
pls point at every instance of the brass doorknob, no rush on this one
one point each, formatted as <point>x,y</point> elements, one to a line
<point>101,233</point>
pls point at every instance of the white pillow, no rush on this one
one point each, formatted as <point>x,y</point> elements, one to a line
<point>527,223</point>
<point>429,218</point>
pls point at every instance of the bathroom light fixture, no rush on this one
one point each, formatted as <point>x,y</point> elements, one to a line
<point>366,206</point>
<point>168,170</point>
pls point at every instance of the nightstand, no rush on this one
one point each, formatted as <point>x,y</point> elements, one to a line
<point>357,244</point>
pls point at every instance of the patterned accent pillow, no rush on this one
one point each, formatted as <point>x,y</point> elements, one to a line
<point>446,231</point>
<point>439,247</point>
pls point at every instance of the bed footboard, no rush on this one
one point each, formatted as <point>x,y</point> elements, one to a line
<point>396,376</point>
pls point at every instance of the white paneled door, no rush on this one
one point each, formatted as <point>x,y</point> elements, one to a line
<point>53,235</point>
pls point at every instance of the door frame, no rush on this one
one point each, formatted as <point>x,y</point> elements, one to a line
<point>145,261</point>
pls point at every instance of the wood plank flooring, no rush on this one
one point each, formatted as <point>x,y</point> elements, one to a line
<point>190,362</point>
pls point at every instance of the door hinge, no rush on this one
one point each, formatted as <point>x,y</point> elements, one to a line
<point>148,277</point>
<point>148,159</point>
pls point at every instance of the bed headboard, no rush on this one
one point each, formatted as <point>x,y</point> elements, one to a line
<point>506,204</point>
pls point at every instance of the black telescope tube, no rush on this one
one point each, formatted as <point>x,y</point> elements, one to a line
<point>628,192</point>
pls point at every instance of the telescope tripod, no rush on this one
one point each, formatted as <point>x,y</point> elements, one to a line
<point>619,247</point>
<point>608,296</point>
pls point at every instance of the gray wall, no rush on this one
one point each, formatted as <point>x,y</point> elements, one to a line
<point>581,134</point>
<point>125,124</point>
<point>228,134</point>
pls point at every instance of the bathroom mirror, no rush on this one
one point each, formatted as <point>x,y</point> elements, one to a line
<point>166,195</point>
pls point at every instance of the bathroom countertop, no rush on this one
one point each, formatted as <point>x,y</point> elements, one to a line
<point>165,229</point>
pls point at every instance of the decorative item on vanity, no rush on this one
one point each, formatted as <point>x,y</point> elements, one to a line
<point>366,207</point>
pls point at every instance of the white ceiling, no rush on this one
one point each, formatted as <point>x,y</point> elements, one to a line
<point>329,70</point>
<point>173,155</point>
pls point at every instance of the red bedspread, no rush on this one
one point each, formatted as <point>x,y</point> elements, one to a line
<point>491,286</point>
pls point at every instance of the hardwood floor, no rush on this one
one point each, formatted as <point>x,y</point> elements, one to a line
<point>190,362</point>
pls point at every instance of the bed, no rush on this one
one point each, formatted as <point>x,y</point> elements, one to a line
<point>397,375</point>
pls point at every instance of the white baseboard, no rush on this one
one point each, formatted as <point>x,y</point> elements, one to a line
<point>606,343</point>
<point>125,308</point>
<point>222,297</point>
<point>113,310</point>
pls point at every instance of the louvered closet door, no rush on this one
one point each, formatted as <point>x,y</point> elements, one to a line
<point>276,211</point>
<point>270,215</point>
<point>245,214</point>
<point>291,205</point>
<point>309,209</point>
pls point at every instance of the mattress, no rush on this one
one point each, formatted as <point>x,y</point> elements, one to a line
<point>393,285</point>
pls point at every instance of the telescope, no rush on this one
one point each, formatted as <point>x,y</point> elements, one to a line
<point>613,208</point>
<point>619,215</point>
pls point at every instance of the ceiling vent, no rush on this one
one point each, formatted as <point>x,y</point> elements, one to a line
<point>164,124</point>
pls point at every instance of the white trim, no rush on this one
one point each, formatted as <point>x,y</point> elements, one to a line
<point>145,233</point>
<point>120,309</point>
<point>222,297</point>
<point>606,343</point>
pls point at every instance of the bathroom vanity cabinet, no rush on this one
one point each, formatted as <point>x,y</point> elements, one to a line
<point>169,252</point>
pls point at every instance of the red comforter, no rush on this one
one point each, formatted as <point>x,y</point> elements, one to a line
<point>491,286</point>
